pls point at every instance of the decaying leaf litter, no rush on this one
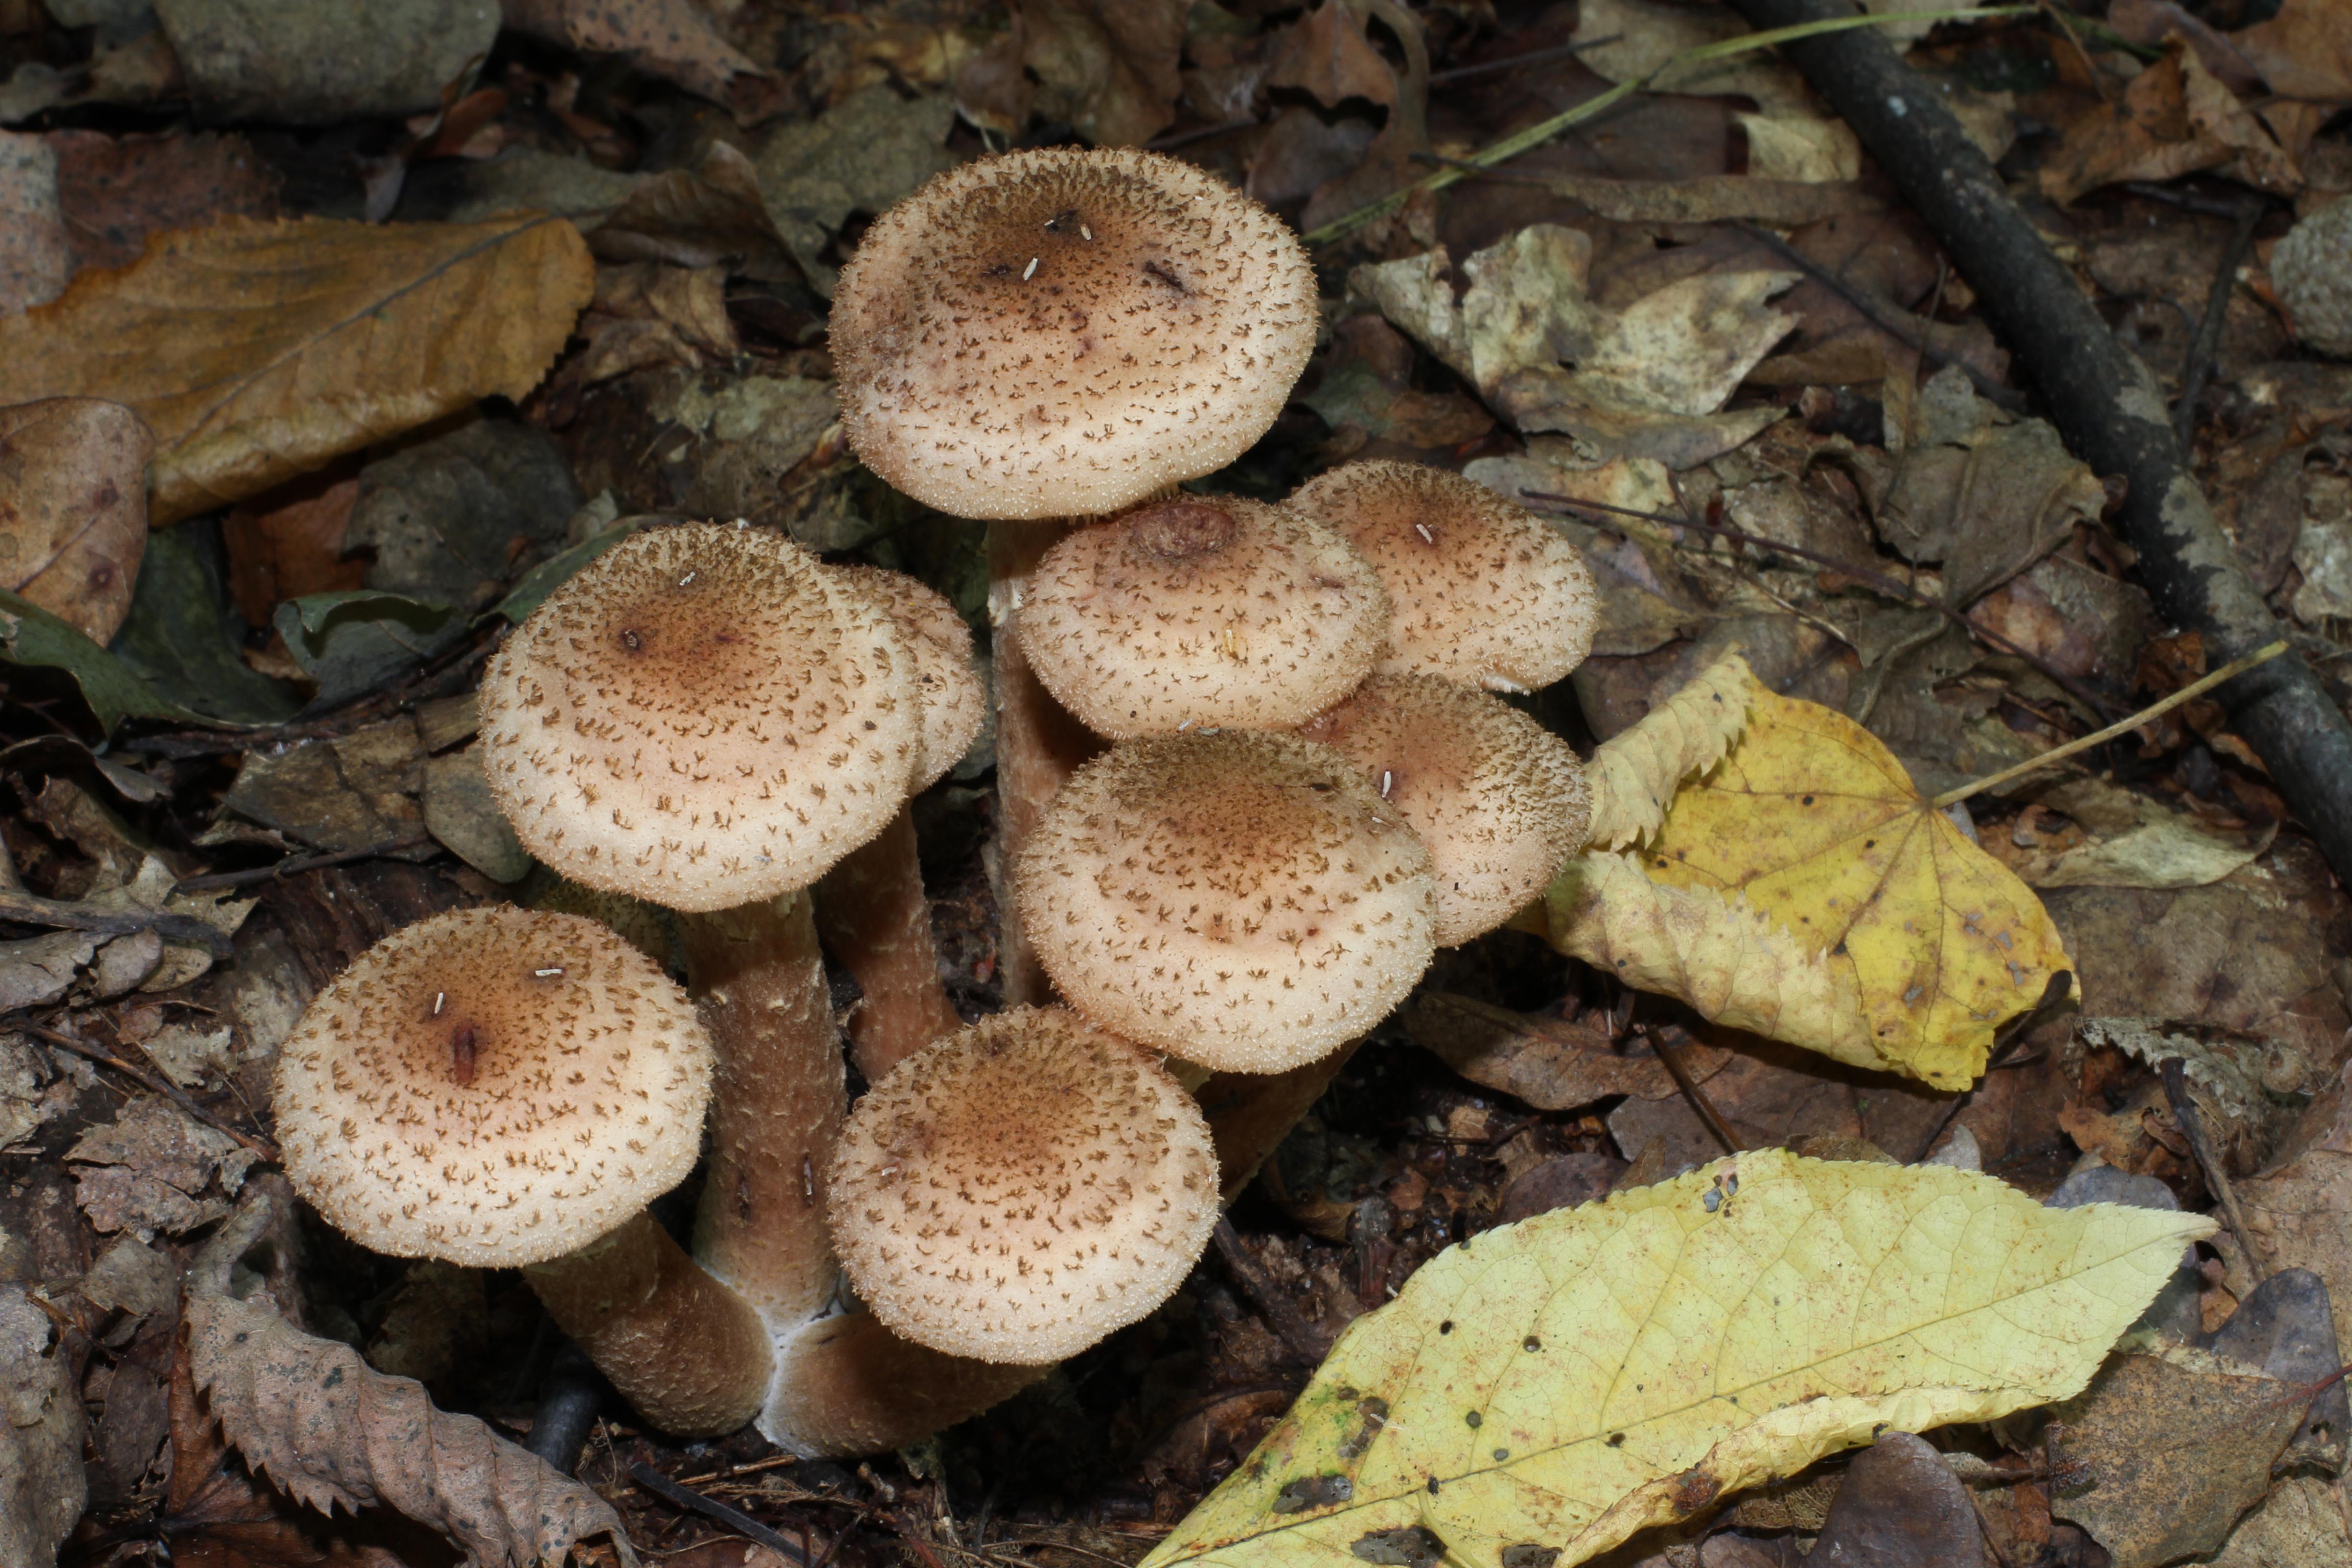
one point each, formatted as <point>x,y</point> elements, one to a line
<point>337,345</point>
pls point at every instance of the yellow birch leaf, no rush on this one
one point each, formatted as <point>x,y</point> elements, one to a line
<point>1537,1395</point>
<point>1635,773</point>
<point>1807,891</point>
<point>258,350</point>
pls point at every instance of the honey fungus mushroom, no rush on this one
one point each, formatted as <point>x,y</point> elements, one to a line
<point>1485,593</point>
<point>1238,899</point>
<point>1500,800</point>
<point>1018,1190</point>
<point>503,1088</point>
<point>1201,610</point>
<point>1059,332</point>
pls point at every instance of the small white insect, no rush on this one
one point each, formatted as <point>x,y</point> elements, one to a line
<point>439,997</point>
<point>1388,782</point>
<point>1426,536</point>
<point>548,974</point>
<point>1029,271</point>
<point>689,577</point>
<point>1085,233</point>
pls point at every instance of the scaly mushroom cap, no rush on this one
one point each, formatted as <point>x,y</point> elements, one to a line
<point>704,716</point>
<point>1019,1189</point>
<point>492,1087</point>
<point>1060,333</point>
<point>1201,610</point>
<point>1486,593</point>
<point>1240,900</point>
<point>1500,800</point>
<point>947,678</point>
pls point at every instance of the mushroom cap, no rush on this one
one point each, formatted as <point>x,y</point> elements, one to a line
<point>1500,800</point>
<point>954,698</point>
<point>1059,332</point>
<point>1486,593</point>
<point>1017,1190</point>
<point>702,717</point>
<point>1201,610</point>
<point>1240,900</point>
<point>492,1087</point>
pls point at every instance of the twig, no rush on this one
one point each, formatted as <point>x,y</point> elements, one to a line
<point>1879,582</point>
<point>2175,1074</point>
<point>1883,315</point>
<point>734,1518</point>
<point>2055,991</point>
<point>1281,1314</point>
<point>28,909</point>
<point>153,1083</point>
<point>1532,58</point>
<point>2230,671</point>
<point>214,881</point>
<point>2207,340</point>
<point>1669,1054</point>
<point>1176,139</point>
<point>2102,397</point>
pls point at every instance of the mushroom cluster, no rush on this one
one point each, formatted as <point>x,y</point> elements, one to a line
<point>1252,775</point>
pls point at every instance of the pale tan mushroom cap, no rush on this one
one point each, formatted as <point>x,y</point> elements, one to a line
<point>1015,1191</point>
<point>1060,333</point>
<point>492,1087</point>
<point>1201,610</point>
<point>703,717</point>
<point>1500,800</point>
<point>1486,593</point>
<point>1240,900</point>
<point>947,677</point>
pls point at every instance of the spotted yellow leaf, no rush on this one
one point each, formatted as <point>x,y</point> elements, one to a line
<point>1802,887</point>
<point>1540,1393</point>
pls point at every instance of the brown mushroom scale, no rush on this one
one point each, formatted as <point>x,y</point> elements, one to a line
<point>1202,611</point>
<point>492,1087</point>
<point>1486,593</point>
<point>1018,1190</point>
<point>703,717</point>
<point>1242,900</point>
<point>1061,332</point>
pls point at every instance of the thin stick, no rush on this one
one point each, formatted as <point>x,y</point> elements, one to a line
<point>2184,1111</point>
<point>1878,582</point>
<point>2230,671</point>
<point>151,1082</point>
<point>2208,341</point>
<point>1280,1314</point>
<point>293,864</point>
<point>1532,58</point>
<point>1667,1054</point>
<point>734,1518</point>
<point>2054,990</point>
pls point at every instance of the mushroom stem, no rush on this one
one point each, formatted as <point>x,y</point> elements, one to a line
<point>874,917</point>
<point>686,1350</point>
<point>776,1106</point>
<point>847,1385</point>
<point>1038,744</point>
<point>1250,1114</point>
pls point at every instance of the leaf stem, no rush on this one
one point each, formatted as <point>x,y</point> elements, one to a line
<point>2228,672</point>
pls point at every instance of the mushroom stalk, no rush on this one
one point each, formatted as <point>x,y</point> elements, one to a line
<point>847,1385</point>
<point>1038,745</point>
<point>776,1106</point>
<point>633,1299</point>
<point>1250,1114</point>
<point>874,917</point>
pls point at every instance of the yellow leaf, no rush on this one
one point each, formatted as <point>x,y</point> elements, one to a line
<point>1635,773</point>
<point>1805,890</point>
<point>258,350</point>
<point>1555,1386</point>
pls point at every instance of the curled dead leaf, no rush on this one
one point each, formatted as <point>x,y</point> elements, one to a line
<point>73,518</point>
<point>1634,774</point>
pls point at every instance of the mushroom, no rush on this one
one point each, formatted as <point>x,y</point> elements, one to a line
<point>1240,900</point>
<point>1500,800</point>
<point>870,908</point>
<point>1485,593</point>
<point>509,1088</point>
<point>1056,333</point>
<point>1201,610</point>
<point>1016,1191</point>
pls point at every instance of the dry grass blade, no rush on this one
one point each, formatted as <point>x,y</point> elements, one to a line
<point>258,350</point>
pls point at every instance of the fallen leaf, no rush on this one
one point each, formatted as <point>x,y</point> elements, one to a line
<point>152,1170</point>
<point>34,257</point>
<point>355,793</point>
<point>2300,1209</point>
<point>333,1433</point>
<point>860,155</point>
<point>1543,1392</point>
<point>115,191</point>
<point>73,512</point>
<point>185,640</point>
<point>714,213</point>
<point>1108,69</point>
<point>450,521</point>
<point>673,39</point>
<point>2179,1443</point>
<point>31,635</point>
<point>42,1485</point>
<point>1899,1505</point>
<point>351,642</point>
<point>1804,890</point>
<point>298,62</point>
<point>1635,776</point>
<point>289,544</point>
<point>461,814</point>
<point>1714,198</point>
<point>267,349</point>
<point>2303,49</point>
<point>2175,118</point>
<point>1551,1063</point>
<point>1329,54</point>
<point>2300,1525</point>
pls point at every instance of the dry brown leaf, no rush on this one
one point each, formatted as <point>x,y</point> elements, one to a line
<point>2176,118</point>
<point>1551,1063</point>
<point>41,1481</point>
<point>333,1432</point>
<point>34,257</point>
<point>2305,50</point>
<point>117,190</point>
<point>1635,776</point>
<point>1108,67</point>
<point>670,39</point>
<point>73,508</point>
<point>258,350</point>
